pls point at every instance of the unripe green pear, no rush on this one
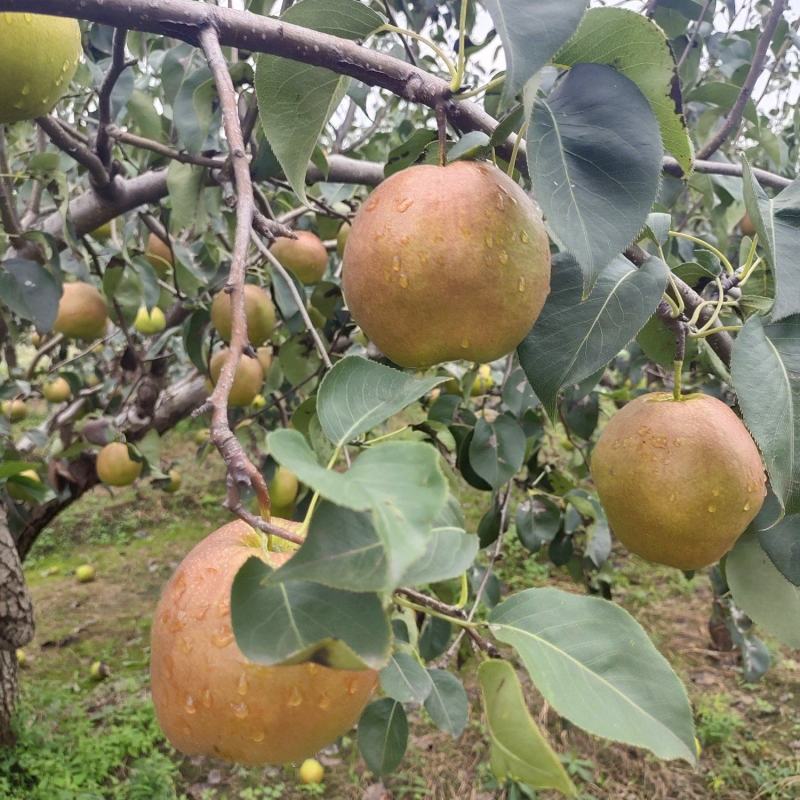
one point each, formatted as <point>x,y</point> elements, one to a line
<point>115,467</point>
<point>447,263</point>
<point>679,480</point>
<point>15,410</point>
<point>150,322</point>
<point>38,57</point>
<point>283,490</point>
<point>57,391</point>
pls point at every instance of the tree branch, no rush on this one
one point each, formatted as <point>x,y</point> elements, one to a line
<point>8,210</point>
<point>734,119</point>
<point>102,145</point>
<point>83,155</point>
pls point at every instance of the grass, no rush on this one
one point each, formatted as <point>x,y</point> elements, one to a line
<point>81,740</point>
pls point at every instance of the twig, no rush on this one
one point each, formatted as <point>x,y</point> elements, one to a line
<point>164,150</point>
<point>8,210</point>
<point>102,144</point>
<point>82,154</point>
<point>35,202</point>
<point>241,471</point>
<point>301,306</point>
<point>344,128</point>
<point>692,38</point>
<point>734,118</point>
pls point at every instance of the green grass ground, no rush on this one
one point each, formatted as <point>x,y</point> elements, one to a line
<point>80,739</point>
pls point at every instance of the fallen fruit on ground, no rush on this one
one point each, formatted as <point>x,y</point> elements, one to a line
<point>57,391</point>
<point>259,311</point>
<point>679,480</point>
<point>311,771</point>
<point>82,312</point>
<point>14,410</point>
<point>99,671</point>
<point>38,57</point>
<point>85,573</point>
<point>159,254</point>
<point>150,322</point>
<point>211,700</point>
<point>247,380</point>
<point>115,467</point>
<point>304,256</point>
<point>447,263</point>
<point>175,481</point>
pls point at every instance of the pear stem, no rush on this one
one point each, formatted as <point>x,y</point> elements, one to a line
<point>677,367</point>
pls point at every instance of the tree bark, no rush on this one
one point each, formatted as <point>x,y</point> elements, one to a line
<point>16,625</point>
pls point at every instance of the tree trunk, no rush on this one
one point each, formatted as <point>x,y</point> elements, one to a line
<point>16,625</point>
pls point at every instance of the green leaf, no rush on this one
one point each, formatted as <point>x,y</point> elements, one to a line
<point>409,152</point>
<point>404,679</point>
<point>615,684</point>
<point>298,621</point>
<point>538,520</point>
<point>572,339</point>
<point>449,553</point>
<point>497,450</point>
<point>9,468</point>
<point>383,735</point>
<point>595,154</point>
<point>519,750</point>
<point>30,291</point>
<point>401,483</point>
<point>777,222</point>
<point>186,184</point>
<point>447,702</point>
<point>765,370</point>
<point>724,95</point>
<point>531,33</point>
<point>781,542</point>
<point>342,549</point>
<point>635,46</point>
<point>762,592</point>
<point>296,100</point>
<point>357,394</point>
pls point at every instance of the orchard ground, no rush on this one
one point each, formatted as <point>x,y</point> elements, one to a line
<point>85,739</point>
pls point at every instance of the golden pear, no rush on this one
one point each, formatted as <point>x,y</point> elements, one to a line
<point>82,312</point>
<point>305,256</point>
<point>259,312</point>
<point>679,480</point>
<point>38,57</point>
<point>57,391</point>
<point>447,263</point>
<point>15,410</point>
<point>209,698</point>
<point>247,380</point>
<point>115,467</point>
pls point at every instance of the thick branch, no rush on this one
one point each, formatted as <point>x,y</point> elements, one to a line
<point>734,119</point>
<point>8,209</point>
<point>769,179</point>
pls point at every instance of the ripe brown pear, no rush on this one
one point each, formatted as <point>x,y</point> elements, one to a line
<point>447,263</point>
<point>679,480</point>
<point>115,467</point>
<point>259,312</point>
<point>38,57</point>
<point>82,312</point>
<point>211,700</point>
<point>159,254</point>
<point>247,380</point>
<point>305,256</point>
<point>746,225</point>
